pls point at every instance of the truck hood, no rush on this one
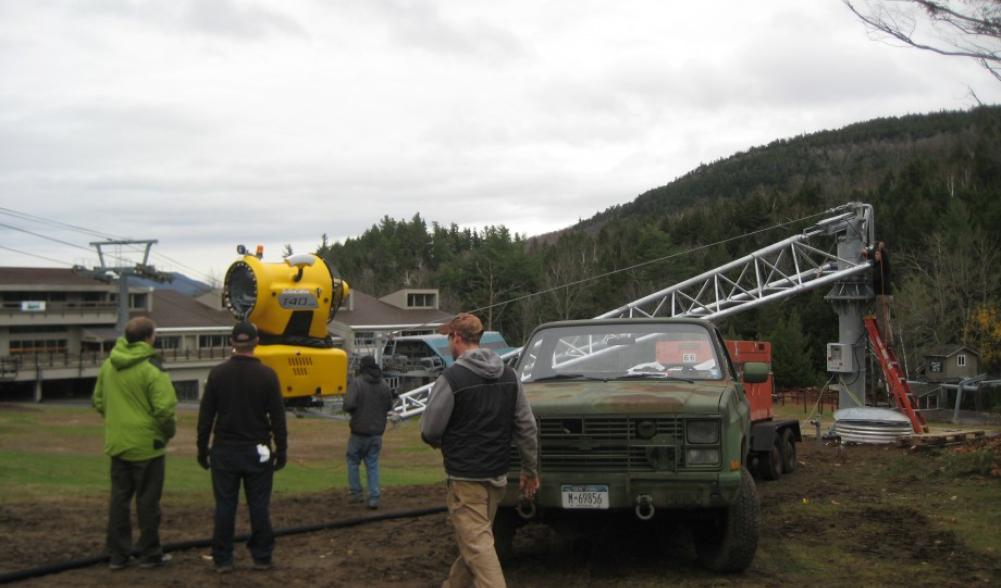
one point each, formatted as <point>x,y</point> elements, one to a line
<point>625,397</point>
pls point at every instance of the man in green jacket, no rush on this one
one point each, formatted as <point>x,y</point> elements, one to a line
<point>134,395</point>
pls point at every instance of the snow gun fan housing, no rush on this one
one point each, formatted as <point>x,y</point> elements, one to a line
<point>291,303</point>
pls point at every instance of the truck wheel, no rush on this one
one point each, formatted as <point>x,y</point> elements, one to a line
<point>728,543</point>
<point>770,463</point>
<point>788,452</point>
<point>505,525</point>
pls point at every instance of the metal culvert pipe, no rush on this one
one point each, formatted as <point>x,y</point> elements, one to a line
<point>871,425</point>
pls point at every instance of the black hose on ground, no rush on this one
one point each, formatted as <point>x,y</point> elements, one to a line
<point>64,566</point>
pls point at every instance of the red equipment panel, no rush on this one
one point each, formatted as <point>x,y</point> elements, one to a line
<point>684,352</point>
<point>759,395</point>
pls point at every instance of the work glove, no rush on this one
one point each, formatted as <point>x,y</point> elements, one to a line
<point>203,459</point>
<point>169,429</point>
<point>280,459</point>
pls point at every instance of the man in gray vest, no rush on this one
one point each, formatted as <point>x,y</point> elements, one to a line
<point>476,409</point>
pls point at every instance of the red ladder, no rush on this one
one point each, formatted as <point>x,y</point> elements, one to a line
<point>895,378</point>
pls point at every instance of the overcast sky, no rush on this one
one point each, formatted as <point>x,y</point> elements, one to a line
<point>209,123</point>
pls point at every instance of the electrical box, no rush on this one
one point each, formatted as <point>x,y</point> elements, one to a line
<point>839,358</point>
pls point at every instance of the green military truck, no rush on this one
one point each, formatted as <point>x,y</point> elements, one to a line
<point>643,418</point>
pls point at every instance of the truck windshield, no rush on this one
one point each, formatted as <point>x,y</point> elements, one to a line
<point>608,351</point>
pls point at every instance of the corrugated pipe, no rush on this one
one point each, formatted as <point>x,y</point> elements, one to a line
<point>64,566</point>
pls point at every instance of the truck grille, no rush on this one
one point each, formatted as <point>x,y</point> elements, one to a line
<point>604,444</point>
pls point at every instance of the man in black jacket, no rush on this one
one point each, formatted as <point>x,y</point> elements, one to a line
<point>476,409</point>
<point>368,401</point>
<point>244,403</point>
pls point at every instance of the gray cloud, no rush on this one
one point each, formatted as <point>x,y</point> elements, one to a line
<point>226,18</point>
<point>422,26</point>
<point>209,123</point>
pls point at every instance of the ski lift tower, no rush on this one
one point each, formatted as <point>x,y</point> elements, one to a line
<point>141,269</point>
<point>850,296</point>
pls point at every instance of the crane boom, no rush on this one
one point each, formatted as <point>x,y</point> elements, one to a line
<point>796,264</point>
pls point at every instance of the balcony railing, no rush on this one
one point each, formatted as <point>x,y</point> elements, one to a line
<point>60,306</point>
<point>86,359</point>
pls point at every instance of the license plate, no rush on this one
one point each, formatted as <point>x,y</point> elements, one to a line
<point>589,496</point>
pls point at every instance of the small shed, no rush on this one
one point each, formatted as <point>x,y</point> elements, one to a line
<point>951,363</point>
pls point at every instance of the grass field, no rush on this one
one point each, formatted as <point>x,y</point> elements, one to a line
<point>850,516</point>
<point>57,450</point>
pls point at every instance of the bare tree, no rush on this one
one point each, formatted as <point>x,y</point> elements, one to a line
<point>959,28</point>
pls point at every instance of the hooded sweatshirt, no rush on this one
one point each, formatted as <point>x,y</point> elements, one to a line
<point>440,421</point>
<point>134,395</point>
<point>368,401</point>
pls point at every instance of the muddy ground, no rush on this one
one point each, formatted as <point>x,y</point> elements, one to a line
<point>859,516</point>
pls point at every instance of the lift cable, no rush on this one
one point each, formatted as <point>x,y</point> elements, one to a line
<point>93,233</point>
<point>52,222</point>
<point>59,261</point>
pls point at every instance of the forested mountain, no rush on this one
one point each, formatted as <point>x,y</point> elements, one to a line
<point>934,180</point>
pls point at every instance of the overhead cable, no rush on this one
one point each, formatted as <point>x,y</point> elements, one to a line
<point>55,223</point>
<point>59,261</point>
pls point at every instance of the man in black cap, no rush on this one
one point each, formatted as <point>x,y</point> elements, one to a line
<point>243,402</point>
<point>368,401</point>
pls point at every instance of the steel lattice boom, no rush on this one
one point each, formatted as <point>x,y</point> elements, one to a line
<point>794,265</point>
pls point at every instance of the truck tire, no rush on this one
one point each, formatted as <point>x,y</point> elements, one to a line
<point>728,543</point>
<point>505,525</point>
<point>788,451</point>
<point>770,462</point>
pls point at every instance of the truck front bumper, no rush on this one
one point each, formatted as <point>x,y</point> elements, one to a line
<point>677,490</point>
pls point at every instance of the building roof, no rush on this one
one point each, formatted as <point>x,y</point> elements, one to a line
<point>43,278</point>
<point>175,310</point>
<point>369,311</point>
<point>950,350</point>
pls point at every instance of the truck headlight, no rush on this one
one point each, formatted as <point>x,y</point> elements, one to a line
<point>702,431</point>
<point>701,456</point>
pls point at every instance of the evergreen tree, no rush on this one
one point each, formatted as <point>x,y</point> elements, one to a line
<point>791,363</point>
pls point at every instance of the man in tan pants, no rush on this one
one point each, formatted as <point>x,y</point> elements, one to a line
<point>477,408</point>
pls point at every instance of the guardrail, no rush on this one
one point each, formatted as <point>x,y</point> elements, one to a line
<point>58,306</point>
<point>31,361</point>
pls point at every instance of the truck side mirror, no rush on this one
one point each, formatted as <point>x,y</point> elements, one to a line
<point>755,372</point>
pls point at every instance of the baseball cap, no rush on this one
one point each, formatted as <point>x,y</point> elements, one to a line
<point>244,332</point>
<point>464,324</point>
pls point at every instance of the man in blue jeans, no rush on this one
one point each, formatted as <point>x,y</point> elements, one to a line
<point>368,401</point>
<point>242,410</point>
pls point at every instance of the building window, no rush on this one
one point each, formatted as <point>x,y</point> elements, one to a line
<point>138,301</point>
<point>186,390</point>
<point>961,360</point>
<point>169,342</point>
<point>212,341</point>
<point>420,300</point>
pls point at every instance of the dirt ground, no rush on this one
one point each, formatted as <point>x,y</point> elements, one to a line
<point>822,523</point>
